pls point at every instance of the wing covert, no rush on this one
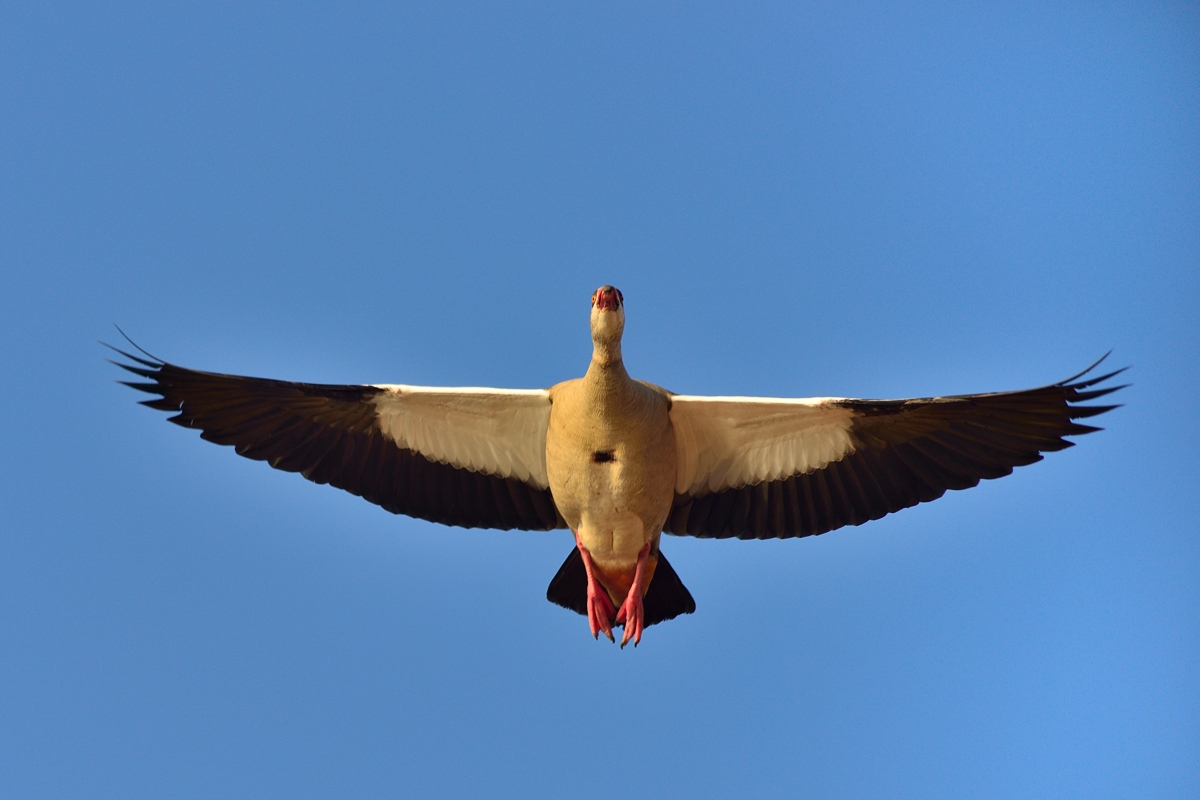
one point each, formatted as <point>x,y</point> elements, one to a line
<point>495,431</point>
<point>730,442</point>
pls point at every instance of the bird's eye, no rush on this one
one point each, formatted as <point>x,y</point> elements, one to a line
<point>620,297</point>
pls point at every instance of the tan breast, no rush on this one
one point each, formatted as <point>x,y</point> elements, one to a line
<point>610,460</point>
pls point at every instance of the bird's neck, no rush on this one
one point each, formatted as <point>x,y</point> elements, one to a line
<point>607,367</point>
<point>606,354</point>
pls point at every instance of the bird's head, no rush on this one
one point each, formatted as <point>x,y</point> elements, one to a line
<point>608,314</point>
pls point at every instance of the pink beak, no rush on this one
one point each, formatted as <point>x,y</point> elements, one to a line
<point>607,298</point>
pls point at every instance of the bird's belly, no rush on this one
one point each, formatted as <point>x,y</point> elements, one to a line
<point>616,507</point>
<point>612,536</point>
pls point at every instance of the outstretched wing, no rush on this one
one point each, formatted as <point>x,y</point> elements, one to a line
<point>470,457</point>
<point>758,468</point>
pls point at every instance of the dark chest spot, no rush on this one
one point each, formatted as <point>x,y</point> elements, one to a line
<point>603,457</point>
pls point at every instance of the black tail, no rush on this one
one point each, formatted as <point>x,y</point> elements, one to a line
<point>666,598</point>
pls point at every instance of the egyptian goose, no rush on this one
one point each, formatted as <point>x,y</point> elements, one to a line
<point>620,461</point>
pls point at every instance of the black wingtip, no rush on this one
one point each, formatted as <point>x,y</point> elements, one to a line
<point>1083,397</point>
<point>1082,412</point>
<point>148,388</point>
<point>1094,381</point>
<point>145,373</point>
<point>162,404</point>
<point>152,362</point>
<point>139,348</point>
<point>149,367</point>
<point>1078,391</point>
<point>1095,364</point>
<point>131,357</point>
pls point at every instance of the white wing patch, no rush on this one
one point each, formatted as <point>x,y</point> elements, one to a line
<point>499,432</point>
<point>730,442</point>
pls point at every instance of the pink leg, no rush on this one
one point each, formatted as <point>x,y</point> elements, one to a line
<point>600,608</point>
<point>632,612</point>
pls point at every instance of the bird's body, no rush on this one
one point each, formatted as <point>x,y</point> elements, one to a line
<point>620,461</point>
<point>610,460</point>
<point>610,457</point>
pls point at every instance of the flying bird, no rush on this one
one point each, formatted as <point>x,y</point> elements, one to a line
<point>619,461</point>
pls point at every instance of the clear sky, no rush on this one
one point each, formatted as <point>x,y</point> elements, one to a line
<point>865,200</point>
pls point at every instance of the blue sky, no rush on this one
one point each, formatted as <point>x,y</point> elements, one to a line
<point>866,200</point>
